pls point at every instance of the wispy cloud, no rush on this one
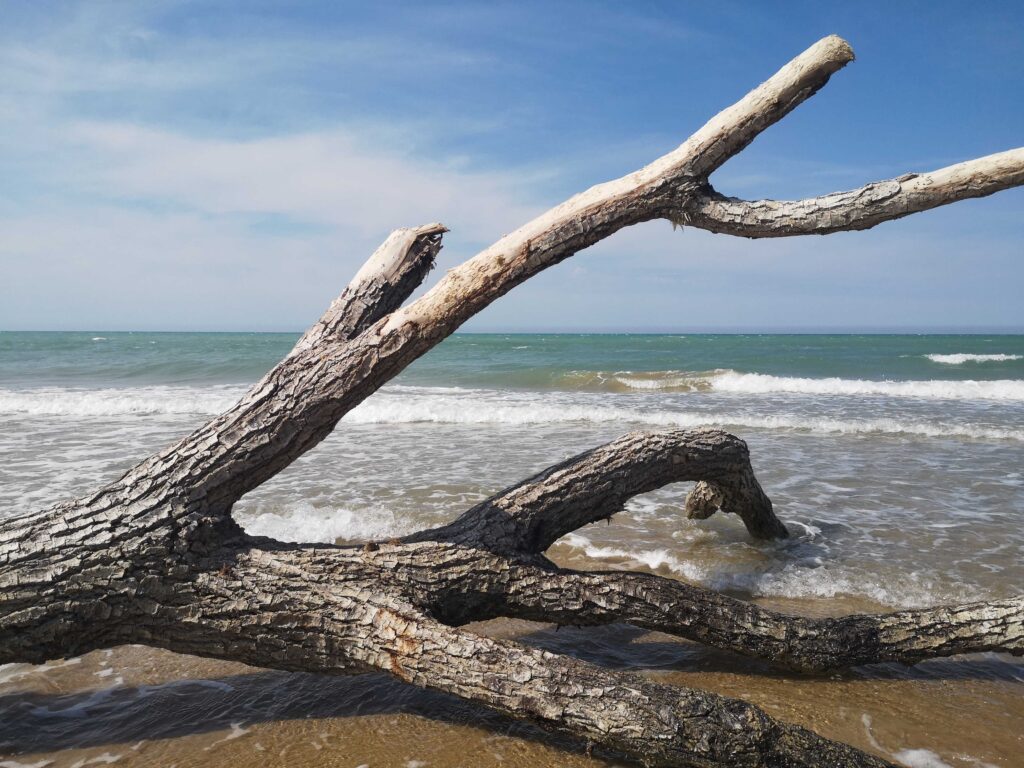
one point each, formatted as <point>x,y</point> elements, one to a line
<point>335,178</point>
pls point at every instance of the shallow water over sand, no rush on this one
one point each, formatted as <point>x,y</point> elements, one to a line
<point>896,496</point>
<point>144,707</point>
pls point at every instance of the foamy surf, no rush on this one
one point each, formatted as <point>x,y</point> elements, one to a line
<point>961,358</point>
<point>917,757</point>
<point>420,404</point>
<point>305,522</point>
<point>736,382</point>
<point>936,389</point>
<point>46,401</point>
<point>448,405</point>
<point>799,578</point>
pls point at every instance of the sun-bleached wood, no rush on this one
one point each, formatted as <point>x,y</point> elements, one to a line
<point>156,558</point>
<point>861,208</point>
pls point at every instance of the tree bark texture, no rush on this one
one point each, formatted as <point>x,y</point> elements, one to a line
<point>156,558</point>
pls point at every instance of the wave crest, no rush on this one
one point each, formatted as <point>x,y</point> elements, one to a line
<point>469,407</point>
<point>401,404</point>
<point>964,357</point>
<point>932,389</point>
<point>133,401</point>
<point>735,382</point>
<point>638,381</point>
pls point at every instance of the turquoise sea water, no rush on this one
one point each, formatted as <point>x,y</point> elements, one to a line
<point>872,444</point>
<point>542,361</point>
<point>896,461</point>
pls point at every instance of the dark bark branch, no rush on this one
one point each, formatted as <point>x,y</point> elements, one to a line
<point>71,577</point>
<point>797,642</point>
<point>593,486</point>
<point>664,725</point>
<point>299,402</point>
<point>289,610</point>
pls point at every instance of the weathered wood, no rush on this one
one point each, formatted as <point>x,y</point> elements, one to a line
<point>533,515</point>
<point>861,208</point>
<point>156,558</point>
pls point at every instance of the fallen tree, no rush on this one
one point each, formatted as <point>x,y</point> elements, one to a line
<point>156,558</point>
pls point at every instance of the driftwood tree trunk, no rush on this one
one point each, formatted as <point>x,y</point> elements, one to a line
<point>156,557</point>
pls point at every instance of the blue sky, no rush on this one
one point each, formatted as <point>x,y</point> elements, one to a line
<point>228,166</point>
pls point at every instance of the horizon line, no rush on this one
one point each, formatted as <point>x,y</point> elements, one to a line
<point>881,330</point>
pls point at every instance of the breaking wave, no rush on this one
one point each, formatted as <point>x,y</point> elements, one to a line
<point>936,389</point>
<point>735,382</point>
<point>304,521</point>
<point>464,408</point>
<point>961,358</point>
<point>638,381</point>
<point>408,405</point>
<point>126,401</point>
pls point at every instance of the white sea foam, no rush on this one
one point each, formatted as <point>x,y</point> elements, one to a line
<point>920,758</point>
<point>303,521</point>
<point>961,358</point>
<point>917,758</point>
<point>118,402</point>
<point>237,731</point>
<point>105,759</point>
<point>467,409</point>
<point>934,389</point>
<point>407,404</point>
<point>725,380</point>
<point>792,579</point>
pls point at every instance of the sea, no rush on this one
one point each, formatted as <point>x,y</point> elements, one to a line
<point>896,461</point>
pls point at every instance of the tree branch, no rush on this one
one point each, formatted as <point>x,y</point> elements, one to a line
<point>859,208</point>
<point>663,725</point>
<point>593,486</point>
<point>654,191</point>
<point>289,610</point>
<point>798,642</point>
<point>730,131</point>
<point>298,403</point>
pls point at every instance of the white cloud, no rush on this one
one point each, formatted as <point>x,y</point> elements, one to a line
<point>333,178</point>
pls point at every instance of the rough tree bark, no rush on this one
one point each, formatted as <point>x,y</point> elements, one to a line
<point>156,558</point>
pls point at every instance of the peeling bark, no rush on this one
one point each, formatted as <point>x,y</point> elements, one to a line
<point>156,558</point>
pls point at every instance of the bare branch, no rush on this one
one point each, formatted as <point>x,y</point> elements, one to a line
<point>859,208</point>
<point>731,130</point>
<point>662,725</point>
<point>797,642</point>
<point>531,516</point>
<point>654,191</point>
<point>298,403</point>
